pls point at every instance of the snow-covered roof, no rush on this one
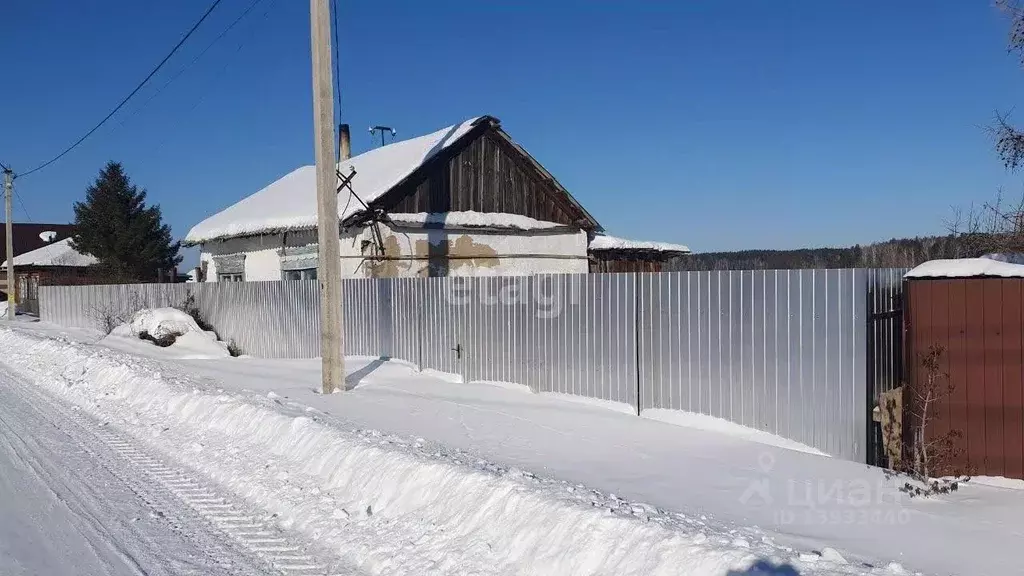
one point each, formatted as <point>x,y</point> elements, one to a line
<point>967,268</point>
<point>471,219</point>
<point>290,202</point>
<point>605,242</point>
<point>56,254</point>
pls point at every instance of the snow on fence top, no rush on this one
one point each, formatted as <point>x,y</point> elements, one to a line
<point>290,202</point>
<point>967,268</point>
<point>56,254</point>
<point>472,219</point>
<point>604,242</point>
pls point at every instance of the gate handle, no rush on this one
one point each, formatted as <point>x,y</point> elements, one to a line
<point>458,351</point>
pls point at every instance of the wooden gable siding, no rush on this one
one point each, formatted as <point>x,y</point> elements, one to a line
<point>485,174</point>
<point>599,265</point>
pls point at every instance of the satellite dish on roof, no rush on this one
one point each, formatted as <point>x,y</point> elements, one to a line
<point>47,236</point>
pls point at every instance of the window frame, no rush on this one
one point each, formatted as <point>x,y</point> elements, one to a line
<point>304,274</point>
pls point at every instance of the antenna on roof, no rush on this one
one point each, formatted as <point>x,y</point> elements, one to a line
<point>382,130</point>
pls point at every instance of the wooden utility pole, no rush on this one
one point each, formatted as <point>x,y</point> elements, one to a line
<point>8,208</point>
<point>329,242</point>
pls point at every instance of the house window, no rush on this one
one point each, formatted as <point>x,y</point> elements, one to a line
<point>230,277</point>
<point>303,274</point>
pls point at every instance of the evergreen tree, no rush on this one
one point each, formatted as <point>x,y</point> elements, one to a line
<point>114,224</point>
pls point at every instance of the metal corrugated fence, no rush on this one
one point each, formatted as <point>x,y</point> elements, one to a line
<point>573,334</point>
<point>780,351</point>
<point>266,319</point>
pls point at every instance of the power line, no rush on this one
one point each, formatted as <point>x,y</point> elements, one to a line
<point>193,62</point>
<point>220,74</point>
<point>337,69</point>
<point>23,208</point>
<point>129,96</point>
<point>17,196</point>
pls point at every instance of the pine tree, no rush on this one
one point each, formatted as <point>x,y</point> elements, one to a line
<point>114,224</point>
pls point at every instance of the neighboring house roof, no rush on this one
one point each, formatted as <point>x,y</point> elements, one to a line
<point>26,237</point>
<point>290,202</point>
<point>603,242</point>
<point>57,254</point>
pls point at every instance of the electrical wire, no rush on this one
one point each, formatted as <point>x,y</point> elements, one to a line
<point>193,62</point>
<point>130,94</point>
<point>219,75</point>
<point>28,217</point>
<point>337,69</point>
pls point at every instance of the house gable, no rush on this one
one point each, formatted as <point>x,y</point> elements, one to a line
<point>486,172</point>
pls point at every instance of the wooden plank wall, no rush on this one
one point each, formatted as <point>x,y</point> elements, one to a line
<point>612,265</point>
<point>485,175</point>
<point>979,324</point>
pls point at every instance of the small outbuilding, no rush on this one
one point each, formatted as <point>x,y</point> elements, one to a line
<point>27,236</point>
<point>964,330</point>
<point>611,254</point>
<point>52,264</point>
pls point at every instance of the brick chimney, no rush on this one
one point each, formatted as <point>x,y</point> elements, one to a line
<point>344,142</point>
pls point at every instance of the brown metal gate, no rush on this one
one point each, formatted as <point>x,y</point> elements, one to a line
<point>978,324</point>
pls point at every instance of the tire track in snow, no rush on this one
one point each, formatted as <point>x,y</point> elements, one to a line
<point>254,533</point>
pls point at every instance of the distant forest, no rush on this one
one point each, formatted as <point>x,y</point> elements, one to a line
<point>895,253</point>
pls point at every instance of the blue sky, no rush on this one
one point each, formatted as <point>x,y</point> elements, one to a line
<point>723,125</point>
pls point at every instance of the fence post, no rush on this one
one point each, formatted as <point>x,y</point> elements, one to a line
<point>421,311</point>
<point>637,311</point>
<point>385,309</point>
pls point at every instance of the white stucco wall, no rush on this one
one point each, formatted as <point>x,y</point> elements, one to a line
<point>262,253</point>
<point>416,251</point>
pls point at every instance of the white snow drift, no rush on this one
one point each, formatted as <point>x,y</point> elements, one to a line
<point>190,340</point>
<point>391,505</point>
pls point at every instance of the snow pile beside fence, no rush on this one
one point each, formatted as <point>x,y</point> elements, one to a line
<point>170,327</point>
<point>388,504</point>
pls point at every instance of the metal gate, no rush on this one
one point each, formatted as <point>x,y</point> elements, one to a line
<point>884,349</point>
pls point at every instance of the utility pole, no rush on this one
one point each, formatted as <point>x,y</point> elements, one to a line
<point>8,194</point>
<point>328,229</point>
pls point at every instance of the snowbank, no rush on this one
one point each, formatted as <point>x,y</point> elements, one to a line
<point>713,424</point>
<point>393,505</point>
<point>605,242</point>
<point>189,340</point>
<point>159,323</point>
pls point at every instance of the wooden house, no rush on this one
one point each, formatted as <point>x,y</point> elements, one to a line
<point>465,200</point>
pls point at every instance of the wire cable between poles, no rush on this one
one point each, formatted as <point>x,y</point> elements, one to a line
<point>130,94</point>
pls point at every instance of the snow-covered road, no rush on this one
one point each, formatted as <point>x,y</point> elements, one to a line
<point>78,497</point>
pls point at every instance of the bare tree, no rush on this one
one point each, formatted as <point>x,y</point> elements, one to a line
<point>1009,140</point>
<point>928,453</point>
<point>111,313</point>
<point>992,228</point>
